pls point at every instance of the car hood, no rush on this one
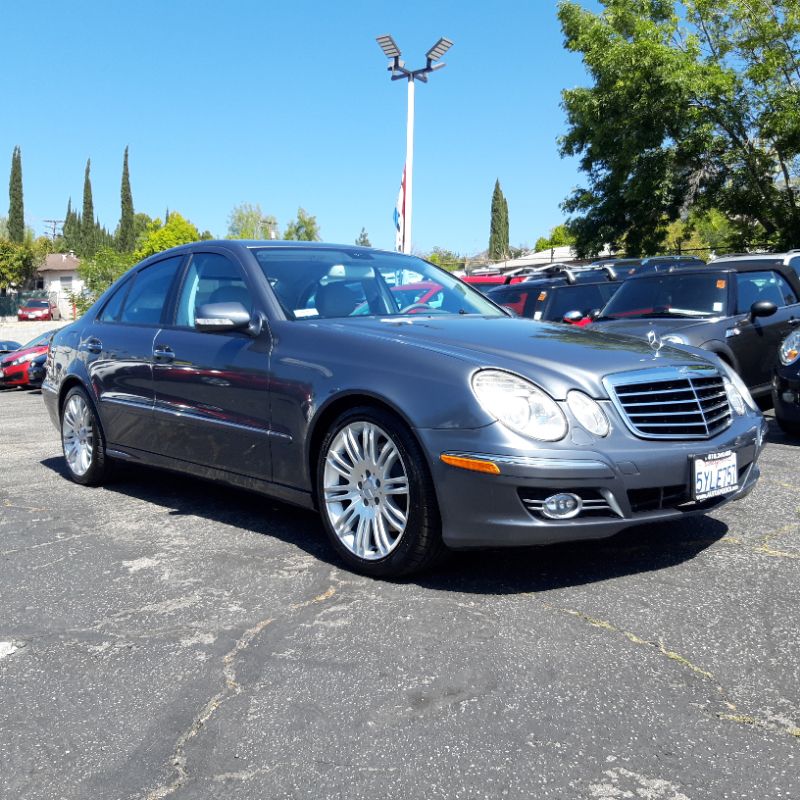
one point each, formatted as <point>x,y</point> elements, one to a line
<point>557,357</point>
<point>15,354</point>
<point>640,327</point>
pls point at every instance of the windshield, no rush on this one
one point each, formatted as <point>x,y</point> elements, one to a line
<point>670,294</point>
<point>37,304</point>
<point>334,283</point>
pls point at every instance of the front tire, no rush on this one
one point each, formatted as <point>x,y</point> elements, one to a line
<point>789,427</point>
<point>82,439</point>
<point>376,496</point>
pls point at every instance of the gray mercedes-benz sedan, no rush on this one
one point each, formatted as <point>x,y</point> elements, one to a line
<point>411,411</point>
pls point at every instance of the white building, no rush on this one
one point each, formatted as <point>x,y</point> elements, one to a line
<point>58,276</point>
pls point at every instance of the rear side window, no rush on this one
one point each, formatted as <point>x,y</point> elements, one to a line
<point>580,298</point>
<point>511,298</point>
<point>211,278</point>
<point>144,304</point>
<point>794,263</point>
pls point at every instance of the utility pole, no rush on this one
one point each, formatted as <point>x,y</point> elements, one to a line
<point>53,224</point>
<point>399,72</point>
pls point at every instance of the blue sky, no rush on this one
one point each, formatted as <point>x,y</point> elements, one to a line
<point>287,105</point>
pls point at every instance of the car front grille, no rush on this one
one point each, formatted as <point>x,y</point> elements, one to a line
<point>671,403</point>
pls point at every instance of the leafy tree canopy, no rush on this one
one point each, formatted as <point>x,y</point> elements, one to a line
<point>158,237</point>
<point>247,221</point>
<point>693,104</point>
<point>445,258</point>
<point>19,261</point>
<point>363,239</point>
<point>303,229</point>
<point>559,236</point>
<point>102,269</point>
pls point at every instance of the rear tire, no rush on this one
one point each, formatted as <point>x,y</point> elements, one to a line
<point>82,439</point>
<point>376,496</point>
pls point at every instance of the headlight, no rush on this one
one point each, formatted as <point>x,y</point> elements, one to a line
<point>588,413</point>
<point>734,386</point>
<point>789,350</point>
<point>21,360</point>
<point>734,397</point>
<point>519,405</point>
<point>674,338</point>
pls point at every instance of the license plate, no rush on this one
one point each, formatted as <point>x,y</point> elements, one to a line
<point>714,474</point>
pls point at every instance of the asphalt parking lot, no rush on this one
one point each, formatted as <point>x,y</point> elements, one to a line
<point>162,637</point>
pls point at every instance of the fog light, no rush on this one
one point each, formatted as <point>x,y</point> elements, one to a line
<point>562,506</point>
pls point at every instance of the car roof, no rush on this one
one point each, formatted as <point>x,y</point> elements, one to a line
<point>780,258</point>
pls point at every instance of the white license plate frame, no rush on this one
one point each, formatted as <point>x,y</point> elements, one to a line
<point>714,475</point>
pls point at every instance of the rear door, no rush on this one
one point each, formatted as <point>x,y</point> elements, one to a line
<point>211,389</point>
<point>118,349</point>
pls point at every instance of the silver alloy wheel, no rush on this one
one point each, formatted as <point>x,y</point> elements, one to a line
<point>365,486</point>
<point>77,434</point>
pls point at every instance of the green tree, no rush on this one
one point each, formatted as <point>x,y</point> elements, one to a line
<point>247,221</point>
<point>446,259</point>
<point>88,240</point>
<point>363,239</point>
<point>558,237</point>
<point>16,211</point>
<point>18,264</point>
<point>100,270</point>
<point>160,237</point>
<point>303,229</point>
<point>693,104</point>
<point>498,229</point>
<point>126,233</point>
<point>71,231</point>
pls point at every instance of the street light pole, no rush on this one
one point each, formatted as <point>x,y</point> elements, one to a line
<point>399,71</point>
<point>409,166</point>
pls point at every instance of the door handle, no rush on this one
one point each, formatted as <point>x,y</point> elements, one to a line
<point>94,345</point>
<point>794,321</point>
<point>163,353</point>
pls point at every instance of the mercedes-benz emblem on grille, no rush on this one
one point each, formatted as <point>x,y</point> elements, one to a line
<point>655,341</point>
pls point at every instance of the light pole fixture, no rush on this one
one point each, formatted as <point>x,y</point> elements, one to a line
<point>398,72</point>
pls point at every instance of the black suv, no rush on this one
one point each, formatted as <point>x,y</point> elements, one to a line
<point>559,292</point>
<point>741,309</point>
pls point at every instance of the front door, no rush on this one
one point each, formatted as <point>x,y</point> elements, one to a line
<point>211,389</point>
<point>757,341</point>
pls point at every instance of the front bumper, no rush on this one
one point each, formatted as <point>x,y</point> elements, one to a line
<point>14,376</point>
<point>628,481</point>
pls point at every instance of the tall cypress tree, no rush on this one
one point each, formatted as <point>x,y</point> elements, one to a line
<point>126,237</point>
<point>72,229</point>
<point>506,243</point>
<point>16,212</point>
<point>88,227</point>
<point>498,230</point>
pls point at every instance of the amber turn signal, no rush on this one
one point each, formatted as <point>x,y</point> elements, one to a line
<point>473,464</point>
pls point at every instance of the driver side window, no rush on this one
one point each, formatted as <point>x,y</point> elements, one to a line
<point>210,278</point>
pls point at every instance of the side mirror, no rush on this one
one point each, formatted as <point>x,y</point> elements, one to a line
<point>222,317</point>
<point>572,317</point>
<point>762,308</point>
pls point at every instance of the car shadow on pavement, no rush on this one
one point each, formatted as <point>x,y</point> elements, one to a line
<point>645,548</point>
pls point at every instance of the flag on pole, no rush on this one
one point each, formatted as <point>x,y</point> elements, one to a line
<point>400,216</point>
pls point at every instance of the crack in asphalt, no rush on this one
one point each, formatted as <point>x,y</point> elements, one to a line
<point>764,547</point>
<point>231,688</point>
<point>776,725</point>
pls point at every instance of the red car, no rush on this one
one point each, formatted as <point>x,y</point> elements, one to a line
<point>39,309</point>
<point>14,366</point>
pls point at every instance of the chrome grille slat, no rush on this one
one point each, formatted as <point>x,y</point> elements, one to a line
<point>671,402</point>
